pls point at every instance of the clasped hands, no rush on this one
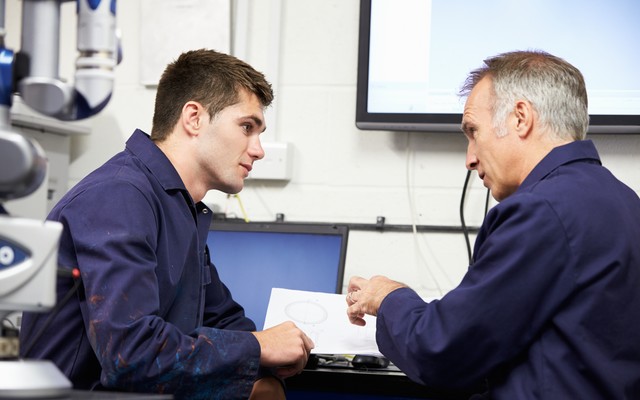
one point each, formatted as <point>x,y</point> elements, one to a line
<point>364,296</point>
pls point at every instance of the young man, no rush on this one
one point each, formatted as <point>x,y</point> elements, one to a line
<point>550,307</point>
<point>151,314</point>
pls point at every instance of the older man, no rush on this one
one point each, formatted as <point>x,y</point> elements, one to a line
<point>550,307</point>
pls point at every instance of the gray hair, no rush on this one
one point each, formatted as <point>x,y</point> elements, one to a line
<point>555,89</point>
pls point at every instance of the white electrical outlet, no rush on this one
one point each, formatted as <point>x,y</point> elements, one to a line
<point>276,164</point>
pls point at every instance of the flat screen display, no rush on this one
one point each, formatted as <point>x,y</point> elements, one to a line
<point>414,56</point>
<point>252,258</point>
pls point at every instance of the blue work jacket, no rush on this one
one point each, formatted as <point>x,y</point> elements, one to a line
<point>550,308</point>
<point>151,314</point>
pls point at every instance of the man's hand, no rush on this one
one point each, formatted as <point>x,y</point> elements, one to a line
<point>365,296</point>
<point>284,347</point>
<point>267,388</point>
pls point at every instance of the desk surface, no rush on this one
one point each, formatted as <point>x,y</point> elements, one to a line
<point>97,395</point>
<point>82,395</point>
<point>380,382</point>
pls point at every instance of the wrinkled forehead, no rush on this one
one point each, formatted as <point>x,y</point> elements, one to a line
<point>481,96</point>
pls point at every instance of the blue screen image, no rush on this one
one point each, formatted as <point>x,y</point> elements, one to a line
<point>250,264</point>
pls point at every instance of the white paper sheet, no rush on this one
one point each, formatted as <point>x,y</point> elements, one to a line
<point>323,317</point>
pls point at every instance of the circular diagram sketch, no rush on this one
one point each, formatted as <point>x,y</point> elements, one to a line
<point>306,312</point>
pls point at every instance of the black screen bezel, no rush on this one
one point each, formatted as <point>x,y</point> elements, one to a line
<point>292,227</point>
<point>438,122</point>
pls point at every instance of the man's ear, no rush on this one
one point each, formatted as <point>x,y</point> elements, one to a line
<point>524,118</point>
<point>192,117</point>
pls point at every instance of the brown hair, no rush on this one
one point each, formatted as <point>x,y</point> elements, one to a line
<point>211,78</point>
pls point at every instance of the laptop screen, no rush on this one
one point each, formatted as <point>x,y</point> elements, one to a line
<point>254,257</point>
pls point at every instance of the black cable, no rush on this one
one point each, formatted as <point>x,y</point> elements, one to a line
<point>465,230</point>
<point>486,203</point>
<point>74,273</point>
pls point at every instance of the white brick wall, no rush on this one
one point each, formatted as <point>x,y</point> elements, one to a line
<point>340,174</point>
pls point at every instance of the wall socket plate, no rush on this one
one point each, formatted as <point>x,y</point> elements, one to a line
<point>277,163</point>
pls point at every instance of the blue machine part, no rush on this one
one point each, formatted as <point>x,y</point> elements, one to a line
<point>6,76</point>
<point>94,4</point>
<point>11,254</point>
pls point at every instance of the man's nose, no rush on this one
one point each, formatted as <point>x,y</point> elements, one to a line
<point>256,150</point>
<point>471,160</point>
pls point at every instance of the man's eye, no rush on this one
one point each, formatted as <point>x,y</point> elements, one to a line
<point>470,132</point>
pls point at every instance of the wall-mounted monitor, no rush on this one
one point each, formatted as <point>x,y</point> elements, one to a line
<point>414,56</point>
<point>254,257</point>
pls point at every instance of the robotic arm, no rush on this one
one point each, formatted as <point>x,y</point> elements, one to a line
<point>33,75</point>
<point>28,248</point>
<point>37,63</point>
